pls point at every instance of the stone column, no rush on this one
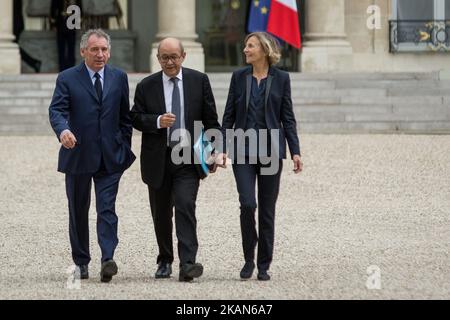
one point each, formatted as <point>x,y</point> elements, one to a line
<point>9,51</point>
<point>177,19</point>
<point>326,48</point>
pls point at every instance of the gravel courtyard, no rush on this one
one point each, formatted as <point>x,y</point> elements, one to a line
<point>363,201</point>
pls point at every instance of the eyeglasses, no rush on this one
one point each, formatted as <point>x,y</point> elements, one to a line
<point>165,59</point>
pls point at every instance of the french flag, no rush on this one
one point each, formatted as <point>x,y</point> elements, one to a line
<point>283,21</point>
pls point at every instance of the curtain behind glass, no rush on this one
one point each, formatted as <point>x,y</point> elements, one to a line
<point>416,9</point>
<point>447,9</point>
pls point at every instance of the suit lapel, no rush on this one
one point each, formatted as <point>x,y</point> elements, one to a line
<point>248,90</point>
<point>268,87</point>
<point>107,81</point>
<point>186,89</point>
<point>86,82</point>
<point>159,93</point>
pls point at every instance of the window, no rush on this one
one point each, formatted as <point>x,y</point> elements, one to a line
<point>447,9</point>
<point>222,26</point>
<point>415,10</point>
<point>420,25</point>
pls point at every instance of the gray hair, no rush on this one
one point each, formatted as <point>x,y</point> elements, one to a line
<point>99,33</point>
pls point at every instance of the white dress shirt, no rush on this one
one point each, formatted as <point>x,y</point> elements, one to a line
<point>92,76</point>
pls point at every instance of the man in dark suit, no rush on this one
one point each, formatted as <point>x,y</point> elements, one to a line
<point>165,102</point>
<point>66,37</point>
<point>89,113</point>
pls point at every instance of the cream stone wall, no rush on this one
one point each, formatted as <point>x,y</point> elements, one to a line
<point>177,19</point>
<point>336,38</point>
<point>371,47</point>
<point>9,51</point>
<point>325,46</point>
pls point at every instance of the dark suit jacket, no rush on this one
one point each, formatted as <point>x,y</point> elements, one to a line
<point>102,128</point>
<point>149,104</point>
<point>278,107</point>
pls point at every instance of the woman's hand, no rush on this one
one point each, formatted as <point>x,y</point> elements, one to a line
<point>298,164</point>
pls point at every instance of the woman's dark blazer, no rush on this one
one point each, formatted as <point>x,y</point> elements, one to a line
<point>278,107</point>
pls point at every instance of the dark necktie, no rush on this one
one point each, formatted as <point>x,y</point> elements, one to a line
<point>98,86</point>
<point>176,110</point>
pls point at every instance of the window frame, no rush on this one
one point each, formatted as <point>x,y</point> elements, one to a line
<point>438,15</point>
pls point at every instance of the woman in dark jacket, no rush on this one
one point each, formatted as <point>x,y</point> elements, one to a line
<point>259,102</point>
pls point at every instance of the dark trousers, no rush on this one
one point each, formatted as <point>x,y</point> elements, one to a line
<point>78,188</point>
<point>66,48</point>
<point>246,176</point>
<point>179,190</point>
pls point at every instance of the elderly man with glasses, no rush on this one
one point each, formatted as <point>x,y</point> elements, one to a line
<point>167,103</point>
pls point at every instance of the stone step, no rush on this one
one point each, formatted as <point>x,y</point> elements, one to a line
<point>388,84</point>
<point>316,84</point>
<point>419,91</point>
<point>407,109</point>
<point>422,100</point>
<point>29,100</point>
<point>35,107</point>
<point>20,93</point>
<point>323,103</point>
<point>25,129</point>
<point>414,127</point>
<point>348,76</point>
<point>294,75</point>
<point>6,119</point>
<point>21,86</point>
<point>347,96</point>
<point>13,102</point>
<point>297,92</point>
<point>428,127</point>
<point>25,109</point>
<point>379,109</point>
<point>368,116</point>
<point>225,77</point>
<point>48,83</point>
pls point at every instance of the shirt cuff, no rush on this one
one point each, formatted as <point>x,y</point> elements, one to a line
<point>158,125</point>
<point>62,133</point>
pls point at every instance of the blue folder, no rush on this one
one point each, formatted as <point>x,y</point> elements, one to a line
<point>203,150</point>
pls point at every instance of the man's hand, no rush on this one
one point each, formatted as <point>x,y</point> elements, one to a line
<point>298,164</point>
<point>217,160</point>
<point>221,160</point>
<point>167,120</point>
<point>68,140</point>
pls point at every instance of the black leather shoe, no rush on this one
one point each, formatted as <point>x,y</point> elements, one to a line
<point>108,270</point>
<point>84,271</point>
<point>164,270</point>
<point>263,276</point>
<point>247,270</point>
<point>189,271</point>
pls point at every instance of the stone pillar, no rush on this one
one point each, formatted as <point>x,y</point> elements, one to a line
<point>9,51</point>
<point>177,19</point>
<point>326,48</point>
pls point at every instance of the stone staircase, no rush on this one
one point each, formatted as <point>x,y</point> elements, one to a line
<point>323,103</point>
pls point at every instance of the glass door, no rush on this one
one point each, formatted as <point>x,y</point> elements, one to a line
<point>222,27</point>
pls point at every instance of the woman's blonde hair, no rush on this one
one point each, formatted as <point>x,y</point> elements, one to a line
<point>269,45</point>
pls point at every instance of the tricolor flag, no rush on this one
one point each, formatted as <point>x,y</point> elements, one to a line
<point>283,21</point>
